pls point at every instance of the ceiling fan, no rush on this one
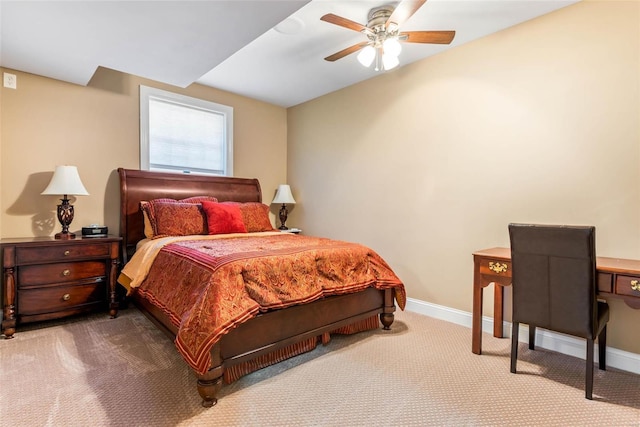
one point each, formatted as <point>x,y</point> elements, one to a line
<point>384,35</point>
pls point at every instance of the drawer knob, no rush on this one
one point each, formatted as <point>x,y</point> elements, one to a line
<point>67,253</point>
<point>497,267</point>
<point>635,285</point>
<point>66,272</point>
<point>66,297</point>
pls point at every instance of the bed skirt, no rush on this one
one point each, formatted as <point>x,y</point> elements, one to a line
<point>235,372</point>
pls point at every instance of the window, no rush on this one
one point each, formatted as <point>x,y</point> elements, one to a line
<point>183,134</point>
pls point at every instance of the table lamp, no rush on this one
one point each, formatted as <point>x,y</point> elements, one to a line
<point>284,196</point>
<point>65,181</point>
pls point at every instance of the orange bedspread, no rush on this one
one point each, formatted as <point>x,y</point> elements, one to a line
<point>208,287</point>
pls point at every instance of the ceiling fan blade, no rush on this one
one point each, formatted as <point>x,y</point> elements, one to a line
<point>404,11</point>
<point>345,52</point>
<point>343,22</point>
<point>436,37</point>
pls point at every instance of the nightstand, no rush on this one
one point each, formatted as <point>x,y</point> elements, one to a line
<point>45,279</point>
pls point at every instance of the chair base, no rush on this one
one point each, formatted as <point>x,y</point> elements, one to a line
<point>602,347</point>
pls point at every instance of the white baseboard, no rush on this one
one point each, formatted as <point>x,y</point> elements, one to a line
<point>561,343</point>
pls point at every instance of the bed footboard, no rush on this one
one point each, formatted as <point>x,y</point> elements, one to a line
<point>272,331</point>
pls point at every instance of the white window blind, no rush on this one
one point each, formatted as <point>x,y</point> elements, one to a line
<point>183,134</point>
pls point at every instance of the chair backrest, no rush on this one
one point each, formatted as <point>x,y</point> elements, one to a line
<point>554,277</point>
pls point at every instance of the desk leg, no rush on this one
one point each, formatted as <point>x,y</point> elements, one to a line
<point>498,298</point>
<point>476,315</point>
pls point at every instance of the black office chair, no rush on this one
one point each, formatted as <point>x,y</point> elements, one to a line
<point>554,287</point>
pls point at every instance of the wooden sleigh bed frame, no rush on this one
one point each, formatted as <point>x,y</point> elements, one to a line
<point>266,333</point>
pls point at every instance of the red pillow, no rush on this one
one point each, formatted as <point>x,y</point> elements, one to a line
<point>223,219</point>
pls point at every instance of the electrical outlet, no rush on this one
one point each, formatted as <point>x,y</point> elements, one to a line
<point>10,81</point>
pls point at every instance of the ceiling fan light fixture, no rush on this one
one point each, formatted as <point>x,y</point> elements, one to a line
<point>383,33</point>
<point>366,56</point>
<point>389,62</point>
<point>392,47</point>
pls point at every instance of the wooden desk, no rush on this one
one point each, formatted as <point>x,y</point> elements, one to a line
<point>616,277</point>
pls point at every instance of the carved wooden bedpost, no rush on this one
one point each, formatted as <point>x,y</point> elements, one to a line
<point>387,316</point>
<point>210,383</point>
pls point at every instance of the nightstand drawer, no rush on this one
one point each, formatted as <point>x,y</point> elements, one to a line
<point>29,255</point>
<point>489,267</point>
<point>34,275</point>
<point>628,285</point>
<point>59,298</point>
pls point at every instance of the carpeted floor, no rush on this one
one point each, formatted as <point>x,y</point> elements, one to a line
<point>96,371</point>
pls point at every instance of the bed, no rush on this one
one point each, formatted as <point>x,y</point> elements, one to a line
<point>261,334</point>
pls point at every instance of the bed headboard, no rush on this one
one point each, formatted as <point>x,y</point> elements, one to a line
<point>137,185</point>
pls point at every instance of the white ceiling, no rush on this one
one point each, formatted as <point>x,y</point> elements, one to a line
<point>234,45</point>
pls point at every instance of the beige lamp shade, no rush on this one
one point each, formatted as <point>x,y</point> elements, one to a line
<point>66,180</point>
<point>283,195</point>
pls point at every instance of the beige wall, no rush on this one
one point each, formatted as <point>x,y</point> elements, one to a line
<point>537,123</point>
<point>46,122</point>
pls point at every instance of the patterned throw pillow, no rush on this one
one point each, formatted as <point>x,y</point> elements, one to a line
<point>223,218</point>
<point>254,215</point>
<point>179,219</point>
<point>150,216</point>
<point>198,199</point>
<point>148,228</point>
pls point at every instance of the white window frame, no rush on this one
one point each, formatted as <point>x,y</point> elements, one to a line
<point>147,93</point>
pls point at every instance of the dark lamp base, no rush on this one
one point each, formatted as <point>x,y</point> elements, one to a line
<point>283,217</point>
<point>65,236</point>
<point>65,216</point>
